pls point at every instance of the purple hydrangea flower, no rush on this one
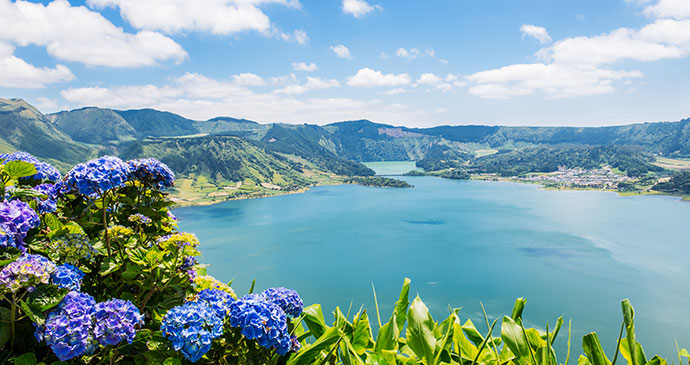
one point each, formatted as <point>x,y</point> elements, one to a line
<point>216,299</point>
<point>188,262</point>
<point>115,321</point>
<point>287,299</point>
<point>68,328</point>
<point>49,204</point>
<point>27,271</point>
<point>67,276</point>
<point>44,171</point>
<point>191,328</point>
<point>97,176</point>
<point>261,321</point>
<point>17,219</point>
<point>152,172</point>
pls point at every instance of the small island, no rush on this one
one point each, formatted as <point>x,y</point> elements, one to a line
<point>377,181</point>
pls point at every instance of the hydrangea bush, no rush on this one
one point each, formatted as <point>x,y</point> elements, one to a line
<point>93,269</point>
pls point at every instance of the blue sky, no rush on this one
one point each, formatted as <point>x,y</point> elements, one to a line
<point>404,62</point>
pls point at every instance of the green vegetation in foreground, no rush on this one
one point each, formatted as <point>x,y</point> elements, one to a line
<point>678,184</point>
<point>383,182</point>
<point>142,298</point>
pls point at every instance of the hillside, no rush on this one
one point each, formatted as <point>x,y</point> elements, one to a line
<point>27,129</point>
<point>94,125</point>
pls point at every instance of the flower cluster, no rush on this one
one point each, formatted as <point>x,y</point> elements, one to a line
<point>152,172</point>
<point>44,171</point>
<point>17,219</point>
<point>71,248</point>
<point>96,177</point>
<point>216,299</point>
<point>78,324</point>
<point>261,321</point>
<point>287,299</point>
<point>67,276</point>
<point>27,271</point>
<point>180,239</point>
<point>209,282</point>
<point>191,328</point>
<point>139,218</point>
<point>116,321</point>
<point>49,204</point>
<point>68,328</point>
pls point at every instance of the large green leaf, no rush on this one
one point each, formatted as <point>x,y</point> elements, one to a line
<point>627,355</point>
<point>362,339</point>
<point>472,333</point>
<point>9,254</point>
<point>5,332</point>
<point>463,346</point>
<point>420,331</point>
<point>313,318</point>
<point>637,356</point>
<point>402,303</point>
<point>310,353</point>
<point>656,360</point>
<point>387,338</point>
<point>28,358</point>
<point>17,169</point>
<point>514,337</point>
<point>46,297</point>
<point>519,306</point>
<point>593,350</point>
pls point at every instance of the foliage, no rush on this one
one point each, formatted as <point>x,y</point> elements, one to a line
<point>679,183</point>
<point>378,181</point>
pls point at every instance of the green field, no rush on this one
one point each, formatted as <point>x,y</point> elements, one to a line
<point>673,163</point>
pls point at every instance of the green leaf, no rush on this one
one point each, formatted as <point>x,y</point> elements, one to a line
<point>52,221</point>
<point>362,339</point>
<point>9,254</point>
<point>28,358</point>
<point>420,331</point>
<point>593,350</point>
<point>637,356</point>
<point>131,272</point>
<point>466,349</point>
<point>17,169</point>
<point>387,338</point>
<point>5,332</point>
<point>46,297</point>
<point>172,361</point>
<point>34,314</point>
<point>472,333</point>
<point>310,353</point>
<point>313,318</point>
<point>656,360</point>
<point>402,303</point>
<point>519,306</point>
<point>514,337</point>
<point>109,265</point>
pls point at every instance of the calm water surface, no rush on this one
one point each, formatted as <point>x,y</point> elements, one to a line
<point>576,253</point>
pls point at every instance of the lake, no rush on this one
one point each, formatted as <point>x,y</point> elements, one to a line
<point>577,253</point>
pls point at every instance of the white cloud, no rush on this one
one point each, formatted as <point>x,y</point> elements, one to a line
<point>17,73</point>
<point>45,104</point>
<point>78,34</point>
<point>436,82</point>
<point>395,91</point>
<point>358,8</point>
<point>677,9</point>
<point>313,83</point>
<point>410,54</point>
<point>199,97</point>
<point>367,77</point>
<point>248,79</point>
<point>301,37</point>
<point>556,80</point>
<point>429,79</point>
<point>213,16</point>
<point>303,66</point>
<point>341,51</point>
<point>538,33</point>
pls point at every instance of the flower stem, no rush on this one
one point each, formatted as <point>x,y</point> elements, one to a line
<point>13,318</point>
<point>105,225</point>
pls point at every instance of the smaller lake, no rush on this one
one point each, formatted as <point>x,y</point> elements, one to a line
<point>577,253</point>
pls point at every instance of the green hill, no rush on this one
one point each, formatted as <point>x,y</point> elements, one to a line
<point>27,129</point>
<point>94,125</point>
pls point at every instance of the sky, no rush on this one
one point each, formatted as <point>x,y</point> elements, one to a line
<point>403,62</point>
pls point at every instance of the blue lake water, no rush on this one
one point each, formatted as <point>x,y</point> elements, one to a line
<point>577,253</point>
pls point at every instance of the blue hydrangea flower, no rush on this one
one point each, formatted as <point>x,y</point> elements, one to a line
<point>216,299</point>
<point>27,271</point>
<point>295,344</point>
<point>139,219</point>
<point>97,176</point>
<point>287,299</point>
<point>67,276</point>
<point>152,172</point>
<point>17,219</point>
<point>261,321</point>
<point>68,327</point>
<point>116,321</point>
<point>44,171</point>
<point>49,204</point>
<point>6,237</point>
<point>188,262</point>
<point>191,328</point>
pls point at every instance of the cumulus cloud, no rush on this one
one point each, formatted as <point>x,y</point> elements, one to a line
<point>538,33</point>
<point>199,97</point>
<point>248,79</point>
<point>367,77</point>
<point>301,37</point>
<point>78,34</point>
<point>313,83</point>
<point>358,8</point>
<point>587,65</point>
<point>303,66</point>
<point>220,17</point>
<point>17,73</point>
<point>341,51</point>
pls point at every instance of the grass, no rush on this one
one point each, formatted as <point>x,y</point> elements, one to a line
<point>673,163</point>
<point>485,152</point>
